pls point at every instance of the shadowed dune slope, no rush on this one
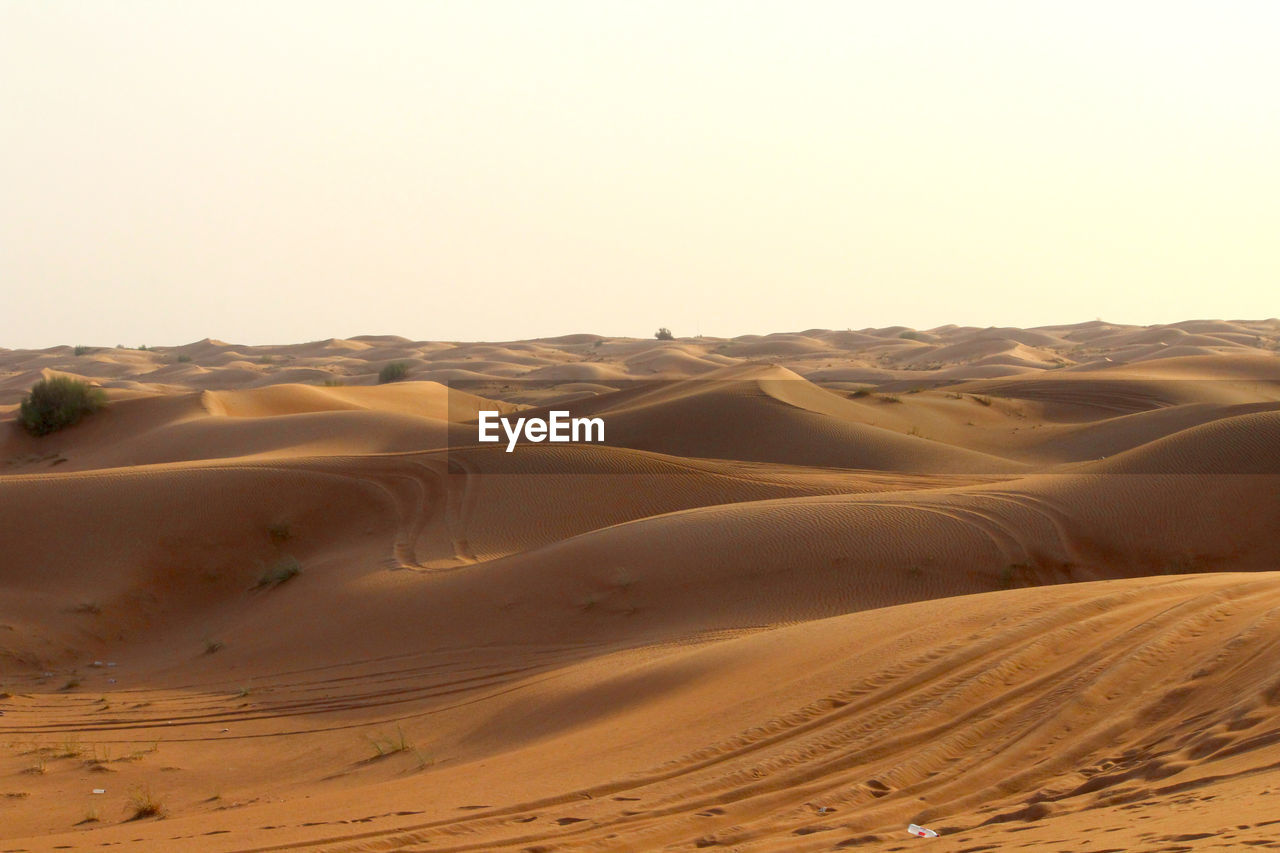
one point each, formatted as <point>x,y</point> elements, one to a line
<point>763,413</point>
<point>1243,444</point>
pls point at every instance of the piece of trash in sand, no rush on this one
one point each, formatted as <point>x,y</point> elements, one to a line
<point>97,664</point>
<point>46,675</point>
<point>99,790</point>
<point>921,832</point>
<point>111,663</point>
<point>224,730</point>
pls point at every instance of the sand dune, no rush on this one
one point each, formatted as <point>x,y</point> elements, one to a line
<point>1017,585</point>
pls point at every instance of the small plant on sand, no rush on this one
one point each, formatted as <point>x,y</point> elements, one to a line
<point>58,402</point>
<point>183,358</point>
<point>384,745</point>
<point>69,748</point>
<point>282,570</point>
<point>913,336</point>
<point>143,803</point>
<point>90,816</point>
<point>664,334</point>
<point>890,398</point>
<point>211,646</point>
<point>393,372</point>
<point>139,754</point>
<point>986,401</point>
<point>861,392</point>
<point>71,684</point>
<point>82,350</point>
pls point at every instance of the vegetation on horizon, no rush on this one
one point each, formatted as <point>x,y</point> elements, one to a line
<point>664,334</point>
<point>393,372</point>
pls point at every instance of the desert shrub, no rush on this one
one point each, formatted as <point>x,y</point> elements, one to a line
<point>664,334</point>
<point>914,336</point>
<point>59,402</point>
<point>390,744</point>
<point>861,392</point>
<point>986,401</point>
<point>183,358</point>
<point>144,804</point>
<point>393,372</point>
<point>81,349</point>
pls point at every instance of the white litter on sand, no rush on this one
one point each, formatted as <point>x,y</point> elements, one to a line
<point>921,832</point>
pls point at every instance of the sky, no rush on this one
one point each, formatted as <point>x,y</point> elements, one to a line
<point>276,172</point>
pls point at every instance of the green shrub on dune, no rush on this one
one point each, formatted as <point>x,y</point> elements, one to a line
<point>59,402</point>
<point>393,372</point>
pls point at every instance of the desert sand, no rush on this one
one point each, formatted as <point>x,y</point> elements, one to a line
<point>1020,586</point>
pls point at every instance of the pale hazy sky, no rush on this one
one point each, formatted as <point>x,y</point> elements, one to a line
<point>285,171</point>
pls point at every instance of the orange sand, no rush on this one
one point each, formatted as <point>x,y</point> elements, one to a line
<point>1025,592</point>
